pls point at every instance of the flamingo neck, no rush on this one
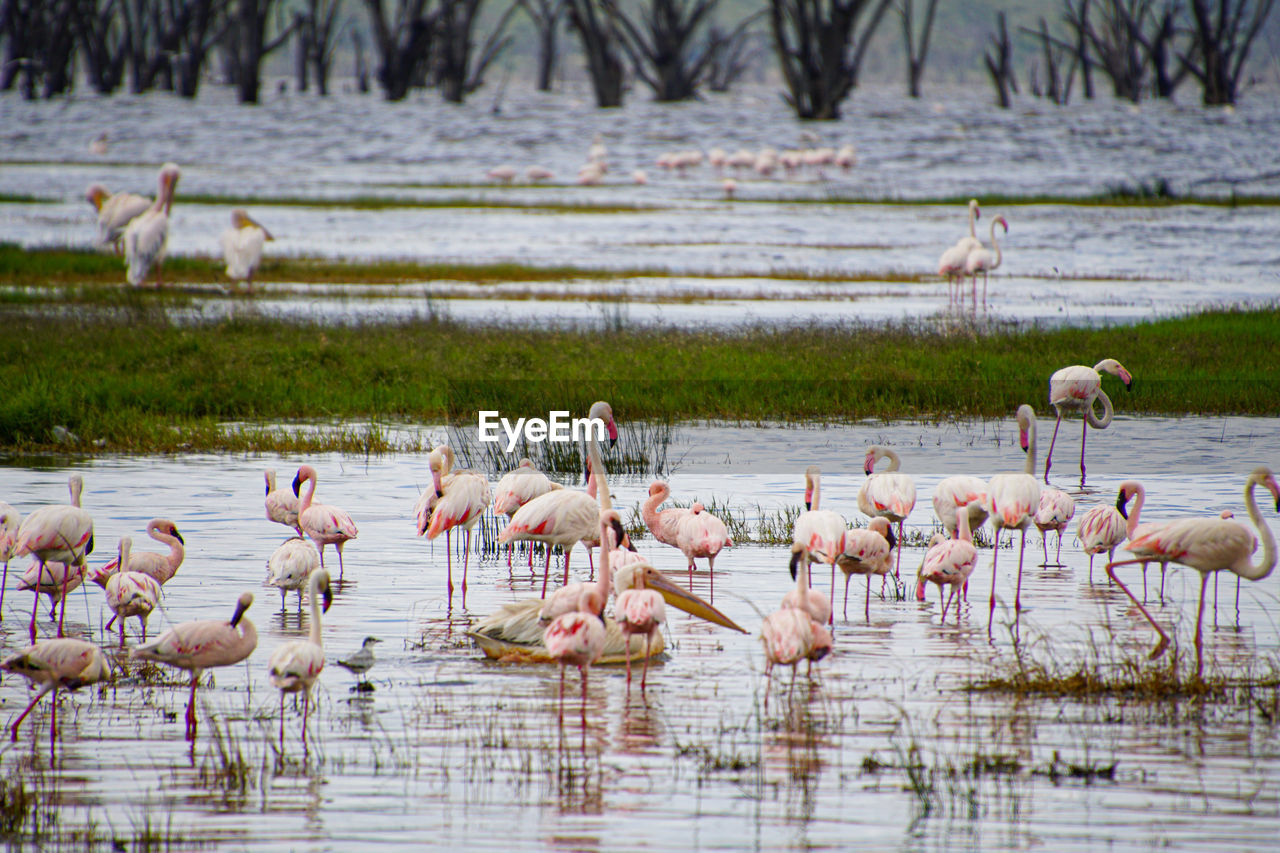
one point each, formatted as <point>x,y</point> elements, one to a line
<point>1258,571</point>
<point>76,487</point>
<point>1107,411</point>
<point>649,509</point>
<point>1030,466</point>
<point>894,460</point>
<point>817,492</point>
<point>606,573</point>
<point>270,477</point>
<point>963,533</point>
<point>309,486</point>
<point>598,476</point>
<point>1139,497</point>
<point>802,578</point>
<point>973,227</point>
<point>995,245</point>
<point>315,614</point>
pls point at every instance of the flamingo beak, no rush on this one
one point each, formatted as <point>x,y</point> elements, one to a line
<point>326,598</point>
<point>682,599</point>
<point>1127,378</point>
<point>1022,439</point>
<point>240,609</point>
<point>796,556</point>
<point>173,531</point>
<point>612,427</point>
<point>893,540</point>
<point>297,485</point>
<point>920,589</point>
<point>620,535</point>
<point>869,464</point>
<point>1122,504</point>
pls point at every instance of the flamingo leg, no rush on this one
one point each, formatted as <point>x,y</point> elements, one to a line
<point>768,681</point>
<point>846,594</point>
<point>122,633</point>
<point>644,673</point>
<point>1057,556</point>
<point>14,728</point>
<point>306,706</point>
<point>946,604</point>
<point>897,566</point>
<point>995,558</point>
<point>562,695</point>
<point>1044,543</point>
<point>1083,435</point>
<point>1204,582</point>
<point>191,706</point>
<point>1048,459</point>
<point>546,570</point>
<point>832,606</point>
<point>1164,638</point>
<point>591,566</point>
<point>627,652</point>
<point>53,725</point>
<point>448,557</point>
<point>34,605</point>
<point>567,552</point>
<point>1164,567</point>
<point>338,546</point>
<point>282,719</point>
<point>4,578</point>
<point>466,560</point>
<point>62,612</point>
<point>1017,593</point>
<point>866,607</point>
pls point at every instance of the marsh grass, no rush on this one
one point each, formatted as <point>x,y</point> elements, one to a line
<point>377,202</point>
<point>1149,193</point>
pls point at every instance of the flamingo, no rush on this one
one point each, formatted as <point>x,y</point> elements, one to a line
<point>790,635</point>
<point>55,579</point>
<point>1208,545</point>
<point>60,533</point>
<point>1075,388</point>
<point>281,503</point>
<point>1012,501</point>
<point>984,260</point>
<point>951,264</point>
<point>565,517</point>
<point>961,489</point>
<point>578,638</point>
<point>1139,530</point>
<point>867,551</point>
<point>294,666</point>
<point>324,524</point>
<point>161,567</point>
<point>1055,512</point>
<point>949,563</point>
<point>130,593</point>
<point>359,664</point>
<point>504,174</point>
<point>819,531</point>
<point>568,598</point>
<point>533,174</point>
<point>290,565</point>
<point>639,610</point>
<point>803,597</point>
<point>196,646</point>
<point>147,236</point>
<point>517,488</point>
<point>242,246</point>
<point>115,212</point>
<point>10,522</point>
<point>1104,527</point>
<point>54,664</point>
<point>461,497</point>
<point>889,494</point>
<point>696,532</point>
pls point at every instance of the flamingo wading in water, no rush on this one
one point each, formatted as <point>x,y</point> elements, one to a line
<point>130,593</point>
<point>949,563</point>
<point>53,664</point>
<point>161,567</point>
<point>696,532</point>
<point>290,565</point>
<point>461,498</point>
<point>578,638</point>
<point>61,533</point>
<point>1055,512</point>
<point>820,532</point>
<point>1104,527</point>
<point>984,260</point>
<point>281,503</point>
<point>890,493</point>
<point>1012,501</point>
<point>10,522</point>
<point>295,665</point>
<point>867,551</point>
<point>517,488</point>
<point>324,524</point>
<point>1074,389</point>
<point>951,264</point>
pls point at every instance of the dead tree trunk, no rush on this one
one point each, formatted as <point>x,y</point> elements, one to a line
<point>403,43</point>
<point>102,43</point>
<point>325,32</point>
<point>663,45</point>
<point>546,16</point>
<point>1000,63</point>
<point>820,49</point>
<point>600,44</point>
<point>917,55</point>
<point>252,44</point>
<point>361,68</point>
<point>1076,17</point>
<point>303,39</point>
<point>732,53</point>
<point>460,71</point>
<point>1222,34</point>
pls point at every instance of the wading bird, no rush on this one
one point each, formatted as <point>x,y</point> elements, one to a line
<point>820,532</point>
<point>949,563</point>
<point>804,597</point>
<point>1054,513</point>
<point>790,635</point>
<point>889,494</point>
<point>201,644</point>
<point>290,565</point>
<point>53,664</point>
<point>639,610</point>
<point>294,666</point>
<point>696,532</point>
<point>461,497</point>
<point>242,246</point>
<point>1104,527</point>
<point>578,638</point>
<point>867,551</point>
<point>954,491</point>
<point>1209,545</point>
<point>115,212</point>
<point>517,488</point>
<point>1074,389</point>
<point>61,533</point>
<point>281,503</point>
<point>147,237</point>
<point>951,264</point>
<point>1012,501</point>
<point>161,567</point>
<point>10,521</point>
<point>130,593</point>
<point>360,662</point>
<point>324,524</point>
<point>984,260</point>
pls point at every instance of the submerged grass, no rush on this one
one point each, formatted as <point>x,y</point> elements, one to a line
<point>136,381</point>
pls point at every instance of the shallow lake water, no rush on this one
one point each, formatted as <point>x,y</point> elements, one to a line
<point>878,749</point>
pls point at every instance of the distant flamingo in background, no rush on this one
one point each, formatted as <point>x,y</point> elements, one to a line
<point>820,532</point>
<point>161,567</point>
<point>696,532</point>
<point>294,666</point>
<point>889,494</point>
<point>867,551</point>
<point>10,521</point>
<point>1055,512</point>
<point>961,489</point>
<point>147,236</point>
<point>1209,545</point>
<point>290,565</point>
<point>578,638</point>
<point>517,488</point>
<point>1104,527</point>
<point>130,593</point>
<point>281,503</point>
<point>324,524</point>
<point>461,498</point>
<point>53,664</point>
<point>1012,501</point>
<point>951,264</point>
<point>1074,389</point>
<point>60,533</point>
<point>949,563</point>
<point>196,646</point>
<point>984,260</point>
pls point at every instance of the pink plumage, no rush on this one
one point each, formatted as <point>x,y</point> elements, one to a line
<point>324,524</point>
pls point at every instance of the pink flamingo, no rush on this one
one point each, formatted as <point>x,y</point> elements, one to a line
<point>60,533</point>
<point>1055,512</point>
<point>1104,527</point>
<point>867,551</point>
<point>889,494</point>
<point>146,237</point>
<point>1075,388</point>
<point>196,646</point>
<point>325,524</point>
<point>53,664</point>
<point>10,522</point>
<point>281,504</point>
<point>696,532</point>
<point>578,638</point>
<point>960,490</point>
<point>803,597</point>
<point>984,260</point>
<point>290,565</point>
<point>461,498</point>
<point>130,593</point>
<point>639,611</point>
<point>1012,501</point>
<point>161,567</point>
<point>569,597</point>
<point>951,264</point>
<point>1208,545</point>
<point>1135,529</point>
<point>820,532</point>
<point>949,563</point>
<point>294,666</point>
<point>517,488</point>
<point>790,635</point>
<point>566,517</point>
<point>54,579</point>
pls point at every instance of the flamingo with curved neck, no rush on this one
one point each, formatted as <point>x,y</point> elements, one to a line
<point>820,532</point>
<point>984,260</point>
<point>325,524</point>
<point>1012,501</point>
<point>1074,389</point>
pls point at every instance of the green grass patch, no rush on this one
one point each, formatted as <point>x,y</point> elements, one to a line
<point>375,202</point>
<point>23,198</point>
<point>132,380</point>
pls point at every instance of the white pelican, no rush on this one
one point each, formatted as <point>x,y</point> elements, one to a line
<point>296,665</point>
<point>115,212</point>
<point>242,246</point>
<point>147,236</point>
